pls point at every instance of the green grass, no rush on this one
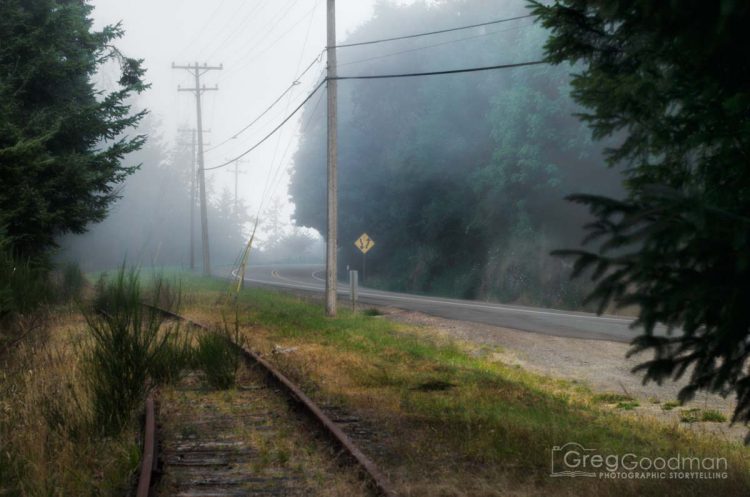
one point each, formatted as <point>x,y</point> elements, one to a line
<point>130,349</point>
<point>696,415</point>
<point>611,398</point>
<point>487,412</point>
<point>217,359</point>
<point>668,406</point>
<point>713,416</point>
<point>690,415</point>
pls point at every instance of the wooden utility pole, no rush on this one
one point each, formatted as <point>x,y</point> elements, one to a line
<point>192,203</point>
<point>237,173</point>
<point>193,175</point>
<point>332,200</point>
<point>197,71</point>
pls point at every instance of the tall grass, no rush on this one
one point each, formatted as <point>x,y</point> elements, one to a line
<point>130,350</point>
<point>22,282</point>
<point>217,357</point>
<point>72,282</point>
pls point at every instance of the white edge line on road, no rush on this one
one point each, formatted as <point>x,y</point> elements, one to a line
<point>498,307</point>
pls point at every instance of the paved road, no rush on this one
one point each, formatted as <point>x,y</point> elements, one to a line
<point>537,320</point>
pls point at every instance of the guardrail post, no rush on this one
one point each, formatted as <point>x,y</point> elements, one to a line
<point>354,287</point>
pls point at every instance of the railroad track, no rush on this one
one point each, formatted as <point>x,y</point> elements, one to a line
<point>202,456</point>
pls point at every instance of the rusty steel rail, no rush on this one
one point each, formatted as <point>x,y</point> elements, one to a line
<point>329,427</point>
<point>376,478</point>
<point>148,462</point>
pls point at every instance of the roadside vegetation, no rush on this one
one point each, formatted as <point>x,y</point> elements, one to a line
<point>448,422</point>
<point>71,392</point>
<point>452,423</point>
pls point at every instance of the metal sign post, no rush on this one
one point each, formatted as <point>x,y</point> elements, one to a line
<point>364,243</point>
<point>354,287</point>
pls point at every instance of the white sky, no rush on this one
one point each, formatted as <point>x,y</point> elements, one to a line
<point>263,45</point>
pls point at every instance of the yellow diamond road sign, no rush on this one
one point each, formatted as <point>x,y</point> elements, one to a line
<point>364,243</point>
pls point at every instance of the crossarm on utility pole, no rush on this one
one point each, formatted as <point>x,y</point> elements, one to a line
<point>197,71</point>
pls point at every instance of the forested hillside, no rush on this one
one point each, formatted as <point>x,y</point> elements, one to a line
<point>459,179</point>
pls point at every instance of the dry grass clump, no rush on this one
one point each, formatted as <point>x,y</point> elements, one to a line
<point>47,441</point>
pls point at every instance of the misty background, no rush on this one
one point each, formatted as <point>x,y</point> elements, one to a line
<point>459,179</point>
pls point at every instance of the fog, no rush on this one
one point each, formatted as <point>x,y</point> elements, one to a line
<point>460,179</point>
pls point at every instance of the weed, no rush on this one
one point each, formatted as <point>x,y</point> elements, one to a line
<point>72,283</point>
<point>218,360</point>
<point>372,312</point>
<point>627,406</point>
<point>713,416</point>
<point>612,398</point>
<point>23,283</point>
<point>128,345</point>
<point>690,415</point>
<point>171,360</point>
<point>668,406</point>
<point>165,293</point>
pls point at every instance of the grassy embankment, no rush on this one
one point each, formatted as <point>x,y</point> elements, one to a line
<point>453,423</point>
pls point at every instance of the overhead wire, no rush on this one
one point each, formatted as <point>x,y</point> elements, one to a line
<point>428,33</point>
<point>299,63</point>
<point>272,132</point>
<point>254,56</point>
<point>273,24</point>
<point>437,73</point>
<point>375,76</point>
<point>205,25</point>
<point>242,25</point>
<point>400,52</point>
<point>277,175</point>
<point>273,104</point>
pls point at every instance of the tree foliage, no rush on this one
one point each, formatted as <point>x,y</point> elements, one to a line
<point>150,223</point>
<point>670,80</point>
<point>62,140</point>
<point>459,179</point>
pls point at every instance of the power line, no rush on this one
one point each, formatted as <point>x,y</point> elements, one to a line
<point>250,57</point>
<point>241,26</point>
<point>273,104</point>
<point>257,118</point>
<point>272,132</point>
<point>416,35</point>
<point>299,63</point>
<point>274,23</point>
<point>277,175</point>
<point>205,25</point>
<point>374,76</point>
<point>457,40</point>
<point>436,73</point>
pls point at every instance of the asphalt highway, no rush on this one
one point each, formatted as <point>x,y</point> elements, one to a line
<point>310,278</point>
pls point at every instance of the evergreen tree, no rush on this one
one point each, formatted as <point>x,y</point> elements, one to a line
<point>670,81</point>
<point>62,140</point>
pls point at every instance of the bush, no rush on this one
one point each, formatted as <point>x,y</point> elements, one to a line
<point>130,350</point>
<point>218,360</point>
<point>171,360</point>
<point>72,283</point>
<point>22,282</point>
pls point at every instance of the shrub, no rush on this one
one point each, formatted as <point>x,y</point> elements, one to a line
<point>72,283</point>
<point>129,349</point>
<point>218,359</point>
<point>22,282</point>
